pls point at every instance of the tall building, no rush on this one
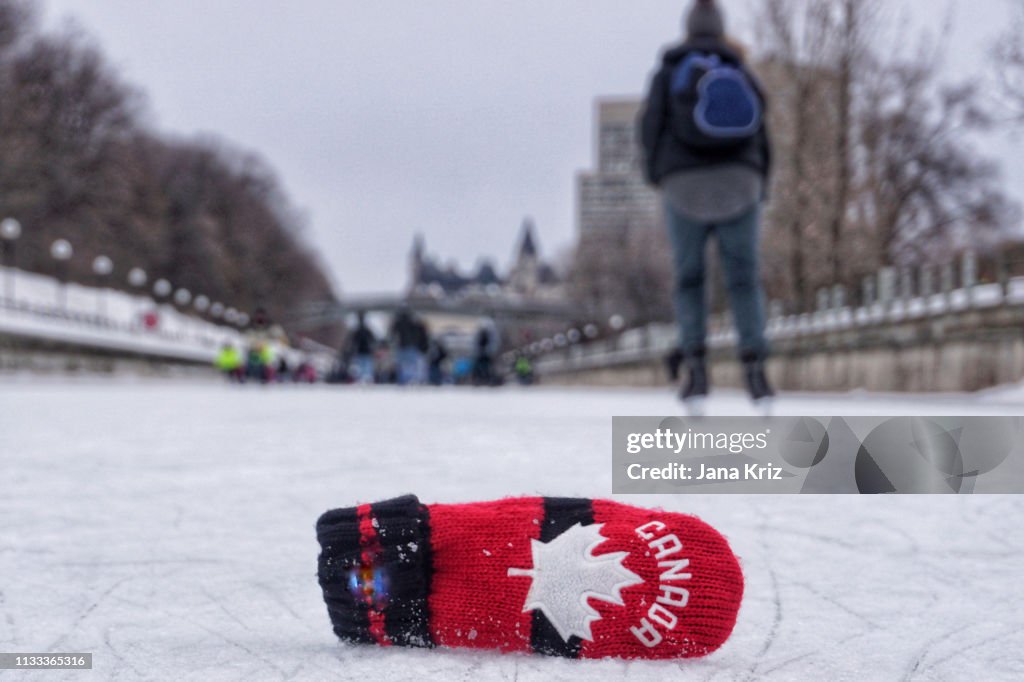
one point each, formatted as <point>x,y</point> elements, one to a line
<point>614,200</point>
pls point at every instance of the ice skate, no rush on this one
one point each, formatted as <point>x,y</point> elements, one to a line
<point>761,393</point>
<point>694,393</point>
<point>765,407</point>
<point>696,406</point>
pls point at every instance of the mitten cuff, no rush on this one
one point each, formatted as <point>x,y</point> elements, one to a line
<point>374,570</point>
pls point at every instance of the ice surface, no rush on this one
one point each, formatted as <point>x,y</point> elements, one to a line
<point>168,529</point>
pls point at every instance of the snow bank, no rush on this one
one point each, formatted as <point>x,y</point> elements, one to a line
<point>36,306</point>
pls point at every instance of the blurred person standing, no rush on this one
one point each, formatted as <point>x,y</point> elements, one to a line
<point>254,363</point>
<point>268,360</point>
<point>405,339</point>
<point>229,362</point>
<point>282,371</point>
<point>462,370</point>
<point>263,337</point>
<point>359,350</point>
<point>305,373</point>
<point>385,367</point>
<point>487,343</point>
<point>706,147</point>
<point>436,356</point>
<point>422,345</point>
<point>524,370</point>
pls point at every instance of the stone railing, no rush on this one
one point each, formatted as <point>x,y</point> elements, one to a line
<point>903,339</point>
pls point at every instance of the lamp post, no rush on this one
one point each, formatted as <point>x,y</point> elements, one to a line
<point>201,304</point>
<point>162,288</point>
<point>10,230</point>
<point>137,279</point>
<point>61,251</point>
<point>102,267</point>
<point>182,297</point>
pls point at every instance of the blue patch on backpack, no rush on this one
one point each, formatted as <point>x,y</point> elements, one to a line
<point>715,100</point>
<point>728,105</point>
<point>684,72</point>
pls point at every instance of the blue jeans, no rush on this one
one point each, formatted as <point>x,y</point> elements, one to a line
<point>362,369</point>
<point>410,366</point>
<point>738,251</point>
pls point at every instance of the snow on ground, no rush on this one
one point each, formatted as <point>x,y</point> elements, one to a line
<point>168,529</point>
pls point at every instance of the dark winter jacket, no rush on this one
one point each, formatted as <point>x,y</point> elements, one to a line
<point>405,332</point>
<point>663,153</point>
<point>437,353</point>
<point>483,342</point>
<point>421,337</point>
<point>361,342</point>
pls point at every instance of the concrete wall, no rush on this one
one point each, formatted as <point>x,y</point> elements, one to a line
<point>963,351</point>
<point>34,356</point>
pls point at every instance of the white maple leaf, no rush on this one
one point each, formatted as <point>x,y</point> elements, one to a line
<point>566,574</point>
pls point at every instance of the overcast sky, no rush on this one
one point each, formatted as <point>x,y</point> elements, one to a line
<point>454,118</point>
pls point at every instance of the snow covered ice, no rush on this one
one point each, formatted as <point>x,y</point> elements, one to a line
<point>167,527</point>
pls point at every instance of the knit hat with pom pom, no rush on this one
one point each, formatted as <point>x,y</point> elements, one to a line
<point>705,20</point>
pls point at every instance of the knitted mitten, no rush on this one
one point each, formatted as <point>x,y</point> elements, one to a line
<point>567,577</point>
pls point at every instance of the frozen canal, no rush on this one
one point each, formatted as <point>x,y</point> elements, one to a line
<point>168,529</point>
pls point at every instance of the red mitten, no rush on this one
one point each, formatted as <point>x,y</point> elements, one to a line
<point>567,577</point>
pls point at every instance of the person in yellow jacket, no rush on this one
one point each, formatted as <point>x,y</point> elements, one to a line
<point>229,362</point>
<point>267,357</point>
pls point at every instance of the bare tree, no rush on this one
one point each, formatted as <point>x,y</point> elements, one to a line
<point>855,19</point>
<point>76,161</point>
<point>928,190</point>
<point>874,150</point>
<point>648,276</point>
<point>1008,56</point>
<point>625,272</point>
<point>800,75</point>
<point>16,21</point>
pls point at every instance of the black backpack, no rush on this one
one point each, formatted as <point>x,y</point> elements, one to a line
<point>714,103</point>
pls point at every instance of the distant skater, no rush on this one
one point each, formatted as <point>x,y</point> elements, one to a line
<point>229,362</point>
<point>408,337</point>
<point>359,349</point>
<point>436,356</point>
<point>487,343</point>
<point>706,147</point>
